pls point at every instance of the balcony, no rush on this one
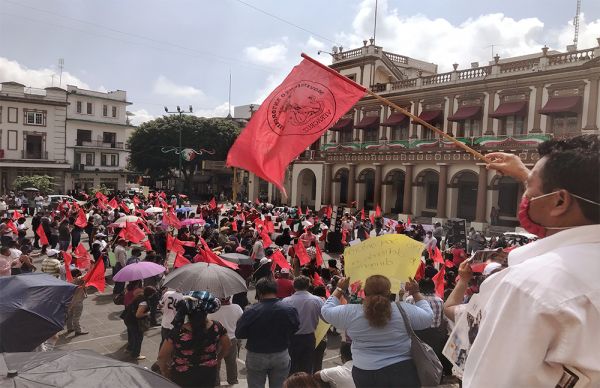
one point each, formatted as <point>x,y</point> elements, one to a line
<point>99,144</point>
<point>34,155</point>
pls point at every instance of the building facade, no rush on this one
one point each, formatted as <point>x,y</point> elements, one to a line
<point>97,132</point>
<point>32,133</point>
<point>374,155</point>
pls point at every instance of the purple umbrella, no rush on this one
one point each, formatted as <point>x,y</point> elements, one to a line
<point>193,221</point>
<point>138,271</point>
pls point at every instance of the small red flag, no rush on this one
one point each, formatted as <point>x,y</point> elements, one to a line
<point>437,256</point>
<point>265,238</point>
<point>300,211</point>
<point>174,245</point>
<point>329,211</point>
<point>256,200</point>
<point>136,200</point>
<point>408,221</point>
<point>113,203</point>
<point>101,196</point>
<point>133,233</point>
<point>377,211</point>
<point>372,218</point>
<point>319,256</point>
<point>211,257</point>
<point>83,257</point>
<point>16,215</point>
<point>294,115</point>
<point>317,281</point>
<point>234,226</point>
<point>11,225</point>
<point>362,214</point>
<point>479,267</point>
<point>270,226</point>
<point>68,259</point>
<point>449,263</point>
<point>301,253</point>
<point>420,274</point>
<point>278,259</point>
<point>81,220</point>
<point>212,204</point>
<point>124,207</point>
<point>95,277</point>
<point>147,245</point>
<point>42,235</point>
<point>307,210</point>
<point>180,261</point>
<point>438,280</point>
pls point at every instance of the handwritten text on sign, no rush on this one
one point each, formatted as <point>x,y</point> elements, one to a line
<point>393,255</point>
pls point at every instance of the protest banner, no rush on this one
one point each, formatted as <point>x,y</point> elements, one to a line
<point>321,331</point>
<point>395,256</point>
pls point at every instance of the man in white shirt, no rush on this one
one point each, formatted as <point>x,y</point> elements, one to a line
<point>540,316</point>
<point>339,376</point>
<point>228,315</point>
<point>121,261</point>
<point>430,242</point>
<point>168,306</point>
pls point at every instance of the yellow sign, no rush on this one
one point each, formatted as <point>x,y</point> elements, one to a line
<point>395,256</point>
<point>321,331</point>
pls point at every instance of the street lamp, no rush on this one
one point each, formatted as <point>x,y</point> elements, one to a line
<point>180,112</point>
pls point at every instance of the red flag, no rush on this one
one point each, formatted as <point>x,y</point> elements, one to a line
<point>211,257</point>
<point>147,245</point>
<point>256,200</point>
<point>278,259</point>
<point>95,277</point>
<point>307,210</point>
<point>295,115</point>
<point>344,235</point>
<point>362,214</point>
<point>42,235</point>
<point>238,207</point>
<point>81,220</point>
<point>408,221</point>
<point>180,261</point>
<point>329,211</point>
<point>449,263</point>
<point>377,211</point>
<point>144,226</point>
<point>479,267</point>
<point>266,239</point>
<point>11,225</point>
<point>372,218</point>
<point>113,203</point>
<point>438,280</point>
<point>136,200</point>
<point>420,272</point>
<point>234,226</point>
<point>133,233</point>
<point>212,204</point>
<point>83,257</point>
<point>174,245</point>
<point>16,215</point>
<point>319,256</point>
<point>317,281</point>
<point>270,226</point>
<point>437,256</point>
<point>68,259</point>
<point>124,207</point>
<point>300,211</point>
<point>101,196</point>
<point>301,253</point>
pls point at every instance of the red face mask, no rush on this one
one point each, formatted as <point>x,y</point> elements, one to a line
<point>526,222</point>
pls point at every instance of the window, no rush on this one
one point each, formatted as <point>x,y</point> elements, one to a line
<point>83,135</point>
<point>86,159</point>
<point>346,136</point>
<point>109,160</point>
<point>13,115</point>
<point>513,126</point>
<point>432,195</point>
<point>400,132</point>
<point>12,140</point>
<point>79,109</point>
<point>89,108</point>
<point>35,118</point>
<point>110,138</point>
<point>104,110</point>
<point>469,128</point>
<point>564,124</point>
<point>370,135</point>
<point>114,111</point>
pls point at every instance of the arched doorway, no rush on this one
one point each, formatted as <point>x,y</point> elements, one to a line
<point>466,184</point>
<point>366,191</point>
<point>506,196</point>
<point>263,190</point>
<point>341,182</point>
<point>307,188</point>
<point>394,191</point>
<point>427,183</point>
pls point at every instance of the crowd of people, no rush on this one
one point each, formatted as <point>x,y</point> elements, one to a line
<point>296,288</point>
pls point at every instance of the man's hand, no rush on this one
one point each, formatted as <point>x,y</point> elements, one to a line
<point>344,283</point>
<point>412,287</point>
<point>507,164</point>
<point>464,271</point>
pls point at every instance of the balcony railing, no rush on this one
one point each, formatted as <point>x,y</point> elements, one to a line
<point>41,155</point>
<point>99,144</point>
<point>396,58</point>
<point>437,79</point>
<point>477,72</point>
<point>350,54</point>
<point>403,84</point>
<point>575,56</point>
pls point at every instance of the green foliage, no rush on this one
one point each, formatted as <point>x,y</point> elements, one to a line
<point>197,133</point>
<point>44,183</point>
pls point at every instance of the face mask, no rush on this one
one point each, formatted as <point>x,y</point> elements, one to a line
<point>530,226</point>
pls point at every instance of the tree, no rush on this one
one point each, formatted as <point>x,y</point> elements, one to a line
<point>44,183</point>
<point>197,133</point>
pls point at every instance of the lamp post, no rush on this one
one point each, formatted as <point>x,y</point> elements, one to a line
<point>180,112</point>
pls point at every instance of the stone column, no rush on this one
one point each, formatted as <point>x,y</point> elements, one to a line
<point>490,121</point>
<point>448,125</point>
<point>327,170</point>
<point>442,189</point>
<point>351,183</point>
<point>539,92</point>
<point>480,213</point>
<point>377,189</point>
<point>408,185</point>
<point>413,127</point>
<point>592,112</point>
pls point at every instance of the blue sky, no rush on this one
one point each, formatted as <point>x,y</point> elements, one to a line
<point>181,51</point>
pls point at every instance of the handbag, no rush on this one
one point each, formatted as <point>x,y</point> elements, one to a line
<point>429,367</point>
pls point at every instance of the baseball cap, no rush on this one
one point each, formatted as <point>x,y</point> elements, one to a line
<point>285,270</point>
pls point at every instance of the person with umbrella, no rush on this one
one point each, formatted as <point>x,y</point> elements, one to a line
<point>190,357</point>
<point>135,316</point>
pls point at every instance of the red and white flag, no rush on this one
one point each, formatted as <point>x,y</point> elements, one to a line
<point>308,102</point>
<point>81,220</point>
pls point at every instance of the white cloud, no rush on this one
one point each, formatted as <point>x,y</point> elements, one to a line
<point>269,55</point>
<point>221,110</point>
<point>36,78</point>
<point>315,44</point>
<point>141,116</point>
<point>588,32</point>
<point>165,87</point>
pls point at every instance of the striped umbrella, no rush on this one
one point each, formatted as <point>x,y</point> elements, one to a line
<point>219,281</point>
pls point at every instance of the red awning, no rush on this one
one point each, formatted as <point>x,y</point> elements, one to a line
<point>515,108</point>
<point>395,118</point>
<point>368,122</point>
<point>341,125</point>
<point>430,116</point>
<point>569,104</point>
<point>466,113</point>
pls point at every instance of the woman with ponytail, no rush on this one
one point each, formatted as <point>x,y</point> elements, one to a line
<point>191,356</point>
<point>380,341</point>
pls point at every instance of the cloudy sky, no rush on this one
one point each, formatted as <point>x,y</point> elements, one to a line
<point>182,51</point>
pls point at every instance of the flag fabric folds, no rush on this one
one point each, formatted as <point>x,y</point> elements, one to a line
<point>308,102</point>
<point>81,220</point>
<point>42,235</point>
<point>95,277</point>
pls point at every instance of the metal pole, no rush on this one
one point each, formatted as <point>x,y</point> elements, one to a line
<point>180,130</point>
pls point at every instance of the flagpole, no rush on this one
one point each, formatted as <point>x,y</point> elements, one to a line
<point>465,147</point>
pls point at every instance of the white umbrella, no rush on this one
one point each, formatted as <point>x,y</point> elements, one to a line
<point>154,209</point>
<point>219,281</point>
<point>124,219</point>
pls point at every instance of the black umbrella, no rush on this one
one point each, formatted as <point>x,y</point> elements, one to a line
<point>33,308</point>
<point>74,369</point>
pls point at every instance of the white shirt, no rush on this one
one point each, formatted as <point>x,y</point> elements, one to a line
<point>430,243</point>
<point>121,255</point>
<point>338,376</point>
<point>540,315</point>
<point>228,316</point>
<point>169,302</point>
<point>103,244</point>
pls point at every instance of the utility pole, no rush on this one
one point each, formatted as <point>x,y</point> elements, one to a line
<point>180,112</point>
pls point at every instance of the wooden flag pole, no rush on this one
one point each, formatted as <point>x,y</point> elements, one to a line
<point>426,124</point>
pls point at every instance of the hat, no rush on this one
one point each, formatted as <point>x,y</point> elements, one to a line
<point>285,270</point>
<point>264,260</point>
<point>52,252</point>
<point>491,267</point>
<point>100,235</point>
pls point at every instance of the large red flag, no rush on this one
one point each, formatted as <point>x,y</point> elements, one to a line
<point>278,259</point>
<point>438,280</point>
<point>265,238</point>
<point>301,253</point>
<point>133,233</point>
<point>180,261</point>
<point>83,257</point>
<point>95,277</point>
<point>42,235</point>
<point>318,256</point>
<point>308,102</point>
<point>68,259</point>
<point>81,220</point>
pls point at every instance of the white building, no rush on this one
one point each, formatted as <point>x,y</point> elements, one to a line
<point>97,133</point>
<point>32,133</point>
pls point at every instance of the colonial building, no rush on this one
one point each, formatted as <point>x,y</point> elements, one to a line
<point>32,133</point>
<point>374,155</point>
<point>97,133</point>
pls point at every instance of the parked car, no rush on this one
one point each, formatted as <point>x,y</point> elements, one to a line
<point>53,201</point>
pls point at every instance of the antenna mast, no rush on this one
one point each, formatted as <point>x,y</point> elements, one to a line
<point>576,24</point>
